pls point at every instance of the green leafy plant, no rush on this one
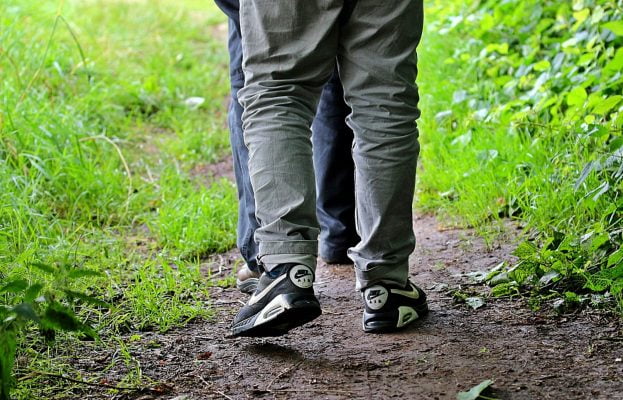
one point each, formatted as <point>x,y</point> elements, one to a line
<point>529,127</point>
<point>48,306</point>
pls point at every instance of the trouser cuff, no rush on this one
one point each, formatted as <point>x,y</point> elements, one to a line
<point>384,274</point>
<point>296,251</point>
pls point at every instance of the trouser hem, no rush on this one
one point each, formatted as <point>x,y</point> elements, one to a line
<point>382,274</point>
<point>273,253</point>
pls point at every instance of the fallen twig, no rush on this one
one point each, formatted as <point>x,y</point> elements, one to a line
<point>285,371</point>
<point>209,386</point>
<point>325,391</point>
<point>611,339</point>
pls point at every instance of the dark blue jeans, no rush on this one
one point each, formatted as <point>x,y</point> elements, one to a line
<point>332,143</point>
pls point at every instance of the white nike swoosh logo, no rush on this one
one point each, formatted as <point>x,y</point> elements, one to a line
<point>414,294</point>
<point>254,299</point>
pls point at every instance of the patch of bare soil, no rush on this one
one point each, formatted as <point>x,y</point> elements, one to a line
<point>206,173</point>
<point>529,355</point>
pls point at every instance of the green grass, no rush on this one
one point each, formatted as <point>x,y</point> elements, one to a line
<point>100,154</point>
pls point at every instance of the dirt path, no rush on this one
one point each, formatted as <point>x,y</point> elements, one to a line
<point>528,355</point>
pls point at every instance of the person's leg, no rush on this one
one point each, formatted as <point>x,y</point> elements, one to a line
<point>335,176</point>
<point>378,71</point>
<point>378,67</point>
<point>289,51</point>
<point>247,223</point>
<point>332,140</point>
<point>283,82</point>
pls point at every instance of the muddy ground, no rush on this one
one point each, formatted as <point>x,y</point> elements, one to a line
<point>528,354</point>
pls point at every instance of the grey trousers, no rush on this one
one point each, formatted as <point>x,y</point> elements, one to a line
<point>290,48</point>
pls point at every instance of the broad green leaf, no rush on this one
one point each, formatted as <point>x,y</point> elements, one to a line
<point>577,96</point>
<point>57,316</point>
<point>82,273</point>
<point>86,298</point>
<point>541,66</point>
<point>598,14</point>
<point>487,22</point>
<point>615,26</point>
<point>525,249</point>
<point>25,310</point>
<point>32,292</point>
<point>15,286</point>
<point>474,392</point>
<point>586,59</point>
<point>616,145</point>
<point>48,269</point>
<point>572,42</point>
<point>615,258</point>
<point>616,64</point>
<point>581,15</point>
<point>549,277</point>
<point>589,119</point>
<point>607,105</point>
<point>497,47</point>
<point>599,241</point>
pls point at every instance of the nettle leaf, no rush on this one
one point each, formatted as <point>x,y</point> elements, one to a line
<point>16,286</point>
<point>83,273</point>
<point>86,298</point>
<point>615,65</point>
<point>577,96</point>
<point>605,278</point>
<point>541,66</point>
<point>48,269</point>
<point>57,316</point>
<point>501,48</point>
<point>608,104</point>
<point>525,250</point>
<point>615,26</point>
<point>32,292</point>
<point>599,241</point>
<point>581,15</point>
<point>615,258</point>
<point>26,311</point>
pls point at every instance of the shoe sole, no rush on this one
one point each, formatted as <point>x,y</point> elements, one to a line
<point>247,286</point>
<point>279,316</point>
<point>387,322</point>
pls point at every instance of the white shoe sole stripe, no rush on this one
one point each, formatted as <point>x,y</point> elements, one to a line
<point>255,298</point>
<point>275,307</point>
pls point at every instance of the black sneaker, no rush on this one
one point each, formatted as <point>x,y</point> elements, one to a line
<point>390,308</point>
<point>279,304</point>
